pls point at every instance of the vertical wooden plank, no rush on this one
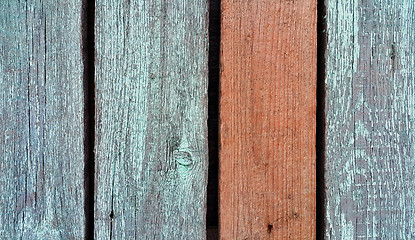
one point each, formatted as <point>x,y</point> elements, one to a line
<point>370,60</point>
<point>267,114</point>
<point>151,113</point>
<point>41,120</point>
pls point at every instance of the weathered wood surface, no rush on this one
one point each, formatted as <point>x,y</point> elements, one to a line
<point>151,113</point>
<point>41,120</point>
<point>370,62</point>
<point>267,120</point>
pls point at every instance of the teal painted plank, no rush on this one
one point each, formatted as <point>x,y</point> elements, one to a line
<point>151,113</point>
<point>370,103</point>
<point>41,120</point>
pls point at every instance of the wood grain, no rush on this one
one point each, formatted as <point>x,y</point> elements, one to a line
<point>267,120</point>
<point>41,120</point>
<point>151,113</point>
<point>370,60</point>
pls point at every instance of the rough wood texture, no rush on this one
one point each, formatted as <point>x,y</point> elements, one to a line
<point>267,120</point>
<point>41,120</point>
<point>151,113</point>
<point>370,116</point>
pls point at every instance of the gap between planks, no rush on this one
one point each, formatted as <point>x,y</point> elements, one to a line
<point>88,52</point>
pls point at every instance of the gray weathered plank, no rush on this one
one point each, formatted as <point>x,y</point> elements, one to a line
<point>151,112</point>
<point>370,103</point>
<point>41,121</point>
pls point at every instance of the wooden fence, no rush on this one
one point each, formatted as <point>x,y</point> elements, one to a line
<point>114,125</point>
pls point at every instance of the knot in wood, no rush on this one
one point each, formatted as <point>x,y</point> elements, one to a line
<point>183,158</point>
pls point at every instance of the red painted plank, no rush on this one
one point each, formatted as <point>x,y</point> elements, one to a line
<point>267,120</point>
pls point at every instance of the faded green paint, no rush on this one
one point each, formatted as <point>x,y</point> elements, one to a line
<point>370,150</point>
<point>151,113</point>
<point>41,120</point>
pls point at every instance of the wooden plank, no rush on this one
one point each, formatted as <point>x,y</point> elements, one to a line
<point>41,120</point>
<point>267,120</point>
<point>151,112</point>
<point>370,60</point>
